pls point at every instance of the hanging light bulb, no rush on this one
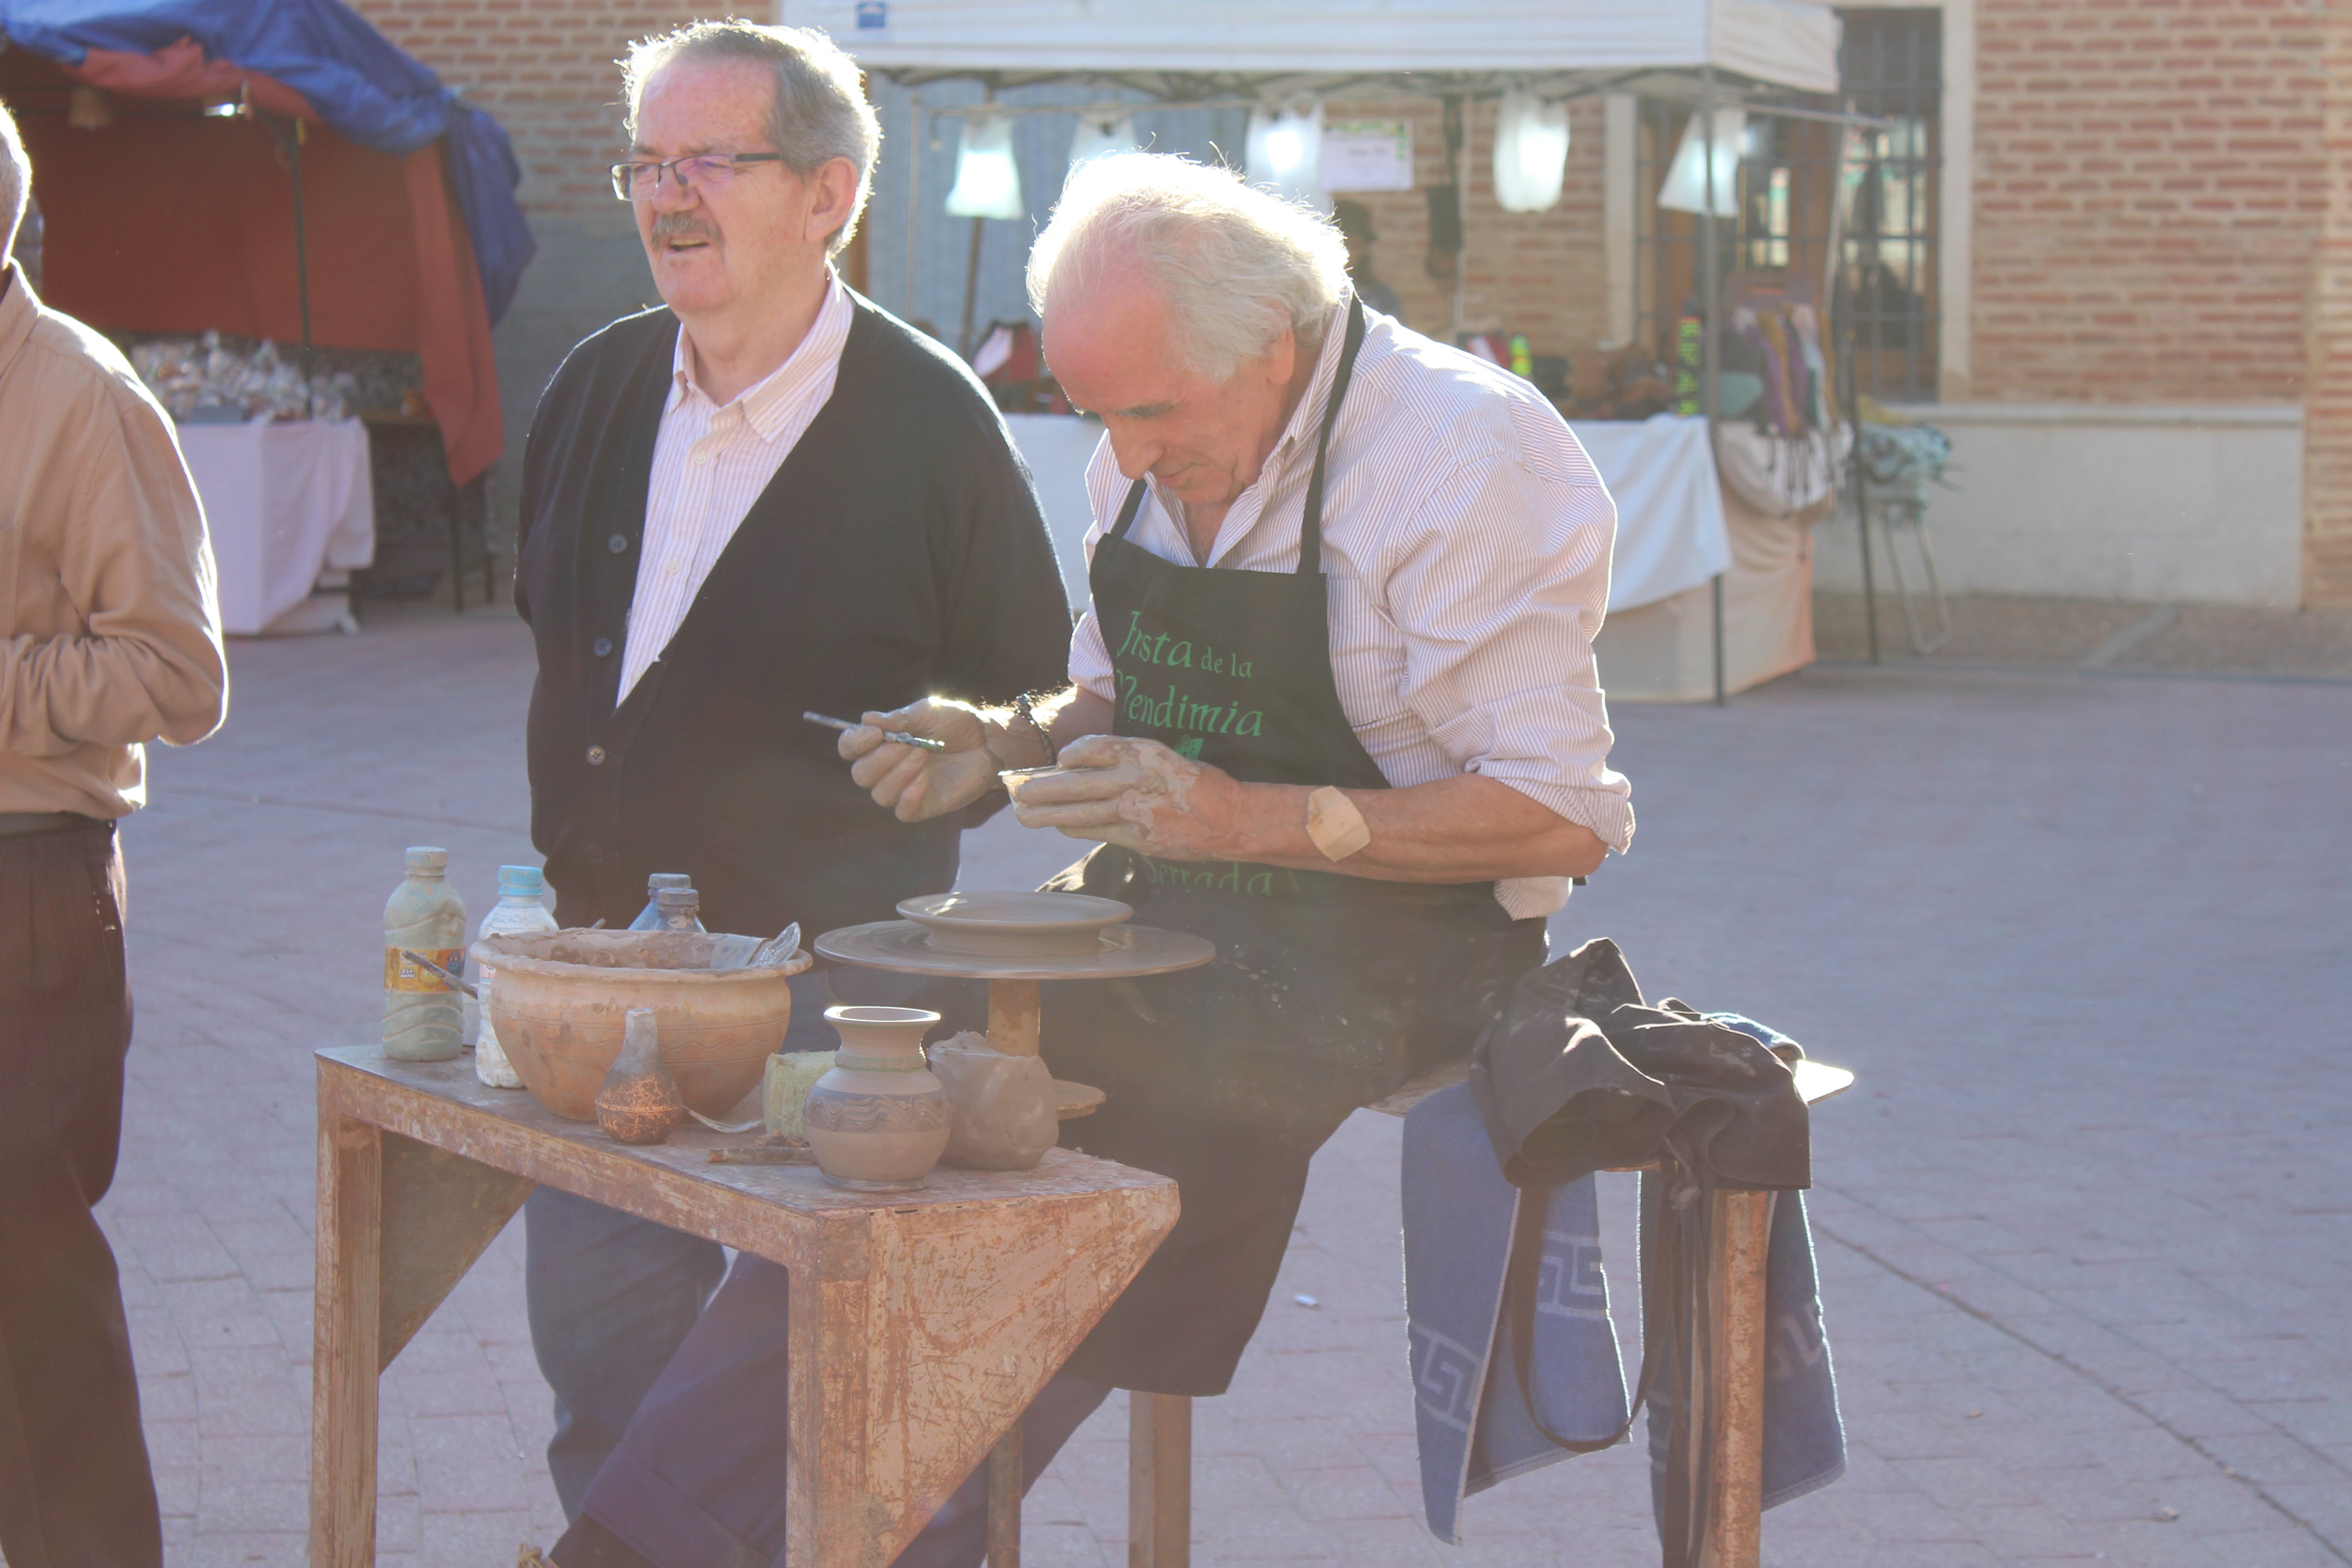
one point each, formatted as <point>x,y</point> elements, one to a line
<point>1286,151</point>
<point>1102,138</point>
<point>1686,187</point>
<point>1531,152</point>
<point>987,182</point>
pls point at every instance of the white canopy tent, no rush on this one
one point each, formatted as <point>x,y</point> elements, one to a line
<point>1767,54</point>
<point>1215,48</point>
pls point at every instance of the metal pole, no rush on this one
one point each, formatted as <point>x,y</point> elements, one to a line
<point>971,290</point>
<point>1853,358</point>
<point>914,192</point>
<point>1710,309</point>
<point>1461,221</point>
<point>301,267</point>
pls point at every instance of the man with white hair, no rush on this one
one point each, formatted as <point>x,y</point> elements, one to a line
<point>766,497</point>
<point>1333,706</point>
<point>110,638</point>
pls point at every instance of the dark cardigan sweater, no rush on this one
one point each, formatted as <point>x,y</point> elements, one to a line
<point>898,552</point>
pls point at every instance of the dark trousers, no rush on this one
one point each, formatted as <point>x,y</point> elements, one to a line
<point>75,1490</point>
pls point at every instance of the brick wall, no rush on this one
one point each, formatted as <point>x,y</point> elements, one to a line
<point>1537,273</point>
<point>2149,188</point>
<point>2327,407</point>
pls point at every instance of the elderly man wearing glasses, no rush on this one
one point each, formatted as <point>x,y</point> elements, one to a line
<point>764,498</point>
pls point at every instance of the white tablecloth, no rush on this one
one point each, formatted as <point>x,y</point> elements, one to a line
<point>284,504</point>
<point>1670,532</point>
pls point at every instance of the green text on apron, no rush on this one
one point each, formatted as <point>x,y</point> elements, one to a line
<point>1328,991</point>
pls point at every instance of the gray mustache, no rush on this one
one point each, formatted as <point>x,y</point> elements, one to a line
<point>682,225</point>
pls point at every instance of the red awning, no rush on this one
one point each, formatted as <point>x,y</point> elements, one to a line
<point>169,221</point>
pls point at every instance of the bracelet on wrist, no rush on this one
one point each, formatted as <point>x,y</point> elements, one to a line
<point>1025,710</point>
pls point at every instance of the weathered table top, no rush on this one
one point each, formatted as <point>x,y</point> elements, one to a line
<point>686,1158</point>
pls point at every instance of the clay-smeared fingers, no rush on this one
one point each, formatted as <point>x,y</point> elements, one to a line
<point>1075,783</point>
<point>1097,751</point>
<point>1072,813</point>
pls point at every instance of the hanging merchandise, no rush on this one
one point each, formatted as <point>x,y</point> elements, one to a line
<point>987,182</point>
<point>1685,190</point>
<point>1097,138</point>
<point>1531,152</point>
<point>1285,151</point>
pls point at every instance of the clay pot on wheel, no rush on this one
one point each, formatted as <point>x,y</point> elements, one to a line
<point>879,1121</point>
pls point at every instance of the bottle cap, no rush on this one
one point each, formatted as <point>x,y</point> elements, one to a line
<point>521,882</point>
<point>423,860</point>
<point>660,880</point>
<point>675,898</point>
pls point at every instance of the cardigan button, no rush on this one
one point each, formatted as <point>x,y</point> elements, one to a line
<point>595,853</point>
<point>601,646</point>
<point>617,544</point>
<point>595,756</point>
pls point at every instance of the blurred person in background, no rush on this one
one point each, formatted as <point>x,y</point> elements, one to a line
<point>1355,221</point>
<point>110,638</point>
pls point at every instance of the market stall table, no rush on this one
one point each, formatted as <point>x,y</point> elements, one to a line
<point>284,504</point>
<point>922,1323</point>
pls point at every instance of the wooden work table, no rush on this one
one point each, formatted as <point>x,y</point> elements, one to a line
<point>922,1323</point>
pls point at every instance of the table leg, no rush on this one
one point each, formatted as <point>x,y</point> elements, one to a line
<point>1012,1013</point>
<point>1159,1480</point>
<point>346,1322</point>
<point>1004,1500</point>
<point>1743,1223</point>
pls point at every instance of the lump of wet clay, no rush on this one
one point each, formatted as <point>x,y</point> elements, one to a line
<point>1003,1115</point>
<point>639,1102</point>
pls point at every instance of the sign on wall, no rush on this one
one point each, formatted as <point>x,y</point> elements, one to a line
<point>1366,155</point>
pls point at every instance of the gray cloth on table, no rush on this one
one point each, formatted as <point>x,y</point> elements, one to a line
<point>1474,1425</point>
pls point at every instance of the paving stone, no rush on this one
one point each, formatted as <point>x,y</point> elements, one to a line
<point>1995,895</point>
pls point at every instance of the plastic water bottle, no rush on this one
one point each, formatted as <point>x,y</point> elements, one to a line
<point>422,1020</point>
<point>679,909</point>
<point>649,918</point>
<point>521,909</point>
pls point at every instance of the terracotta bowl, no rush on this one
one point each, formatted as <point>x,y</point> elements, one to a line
<point>561,996</point>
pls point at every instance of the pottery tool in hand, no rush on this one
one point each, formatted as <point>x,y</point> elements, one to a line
<point>921,743</point>
<point>451,981</point>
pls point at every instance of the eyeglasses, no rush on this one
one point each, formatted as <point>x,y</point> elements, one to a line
<point>703,171</point>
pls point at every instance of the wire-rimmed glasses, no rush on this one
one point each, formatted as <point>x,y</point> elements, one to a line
<point>703,171</point>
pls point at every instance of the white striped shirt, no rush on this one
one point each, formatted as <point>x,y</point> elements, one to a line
<point>1466,541</point>
<point>710,463</point>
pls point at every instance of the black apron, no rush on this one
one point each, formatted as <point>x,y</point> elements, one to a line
<point>1328,992</point>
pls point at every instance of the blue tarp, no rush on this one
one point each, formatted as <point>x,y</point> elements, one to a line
<point>355,79</point>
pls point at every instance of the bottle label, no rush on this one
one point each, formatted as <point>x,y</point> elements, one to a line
<point>399,974</point>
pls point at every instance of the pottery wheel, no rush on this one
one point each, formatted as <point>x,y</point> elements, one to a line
<point>904,947</point>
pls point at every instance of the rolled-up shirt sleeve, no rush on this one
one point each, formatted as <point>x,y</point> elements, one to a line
<point>1497,583</point>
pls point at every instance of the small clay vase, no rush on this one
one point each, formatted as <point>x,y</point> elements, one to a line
<point>639,1102</point>
<point>879,1121</point>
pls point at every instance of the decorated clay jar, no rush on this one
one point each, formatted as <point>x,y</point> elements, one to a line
<point>879,1121</point>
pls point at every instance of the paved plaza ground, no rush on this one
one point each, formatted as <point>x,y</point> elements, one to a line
<point>2086,1226</point>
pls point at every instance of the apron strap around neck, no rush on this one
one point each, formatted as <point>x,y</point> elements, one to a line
<point>1311,528</point>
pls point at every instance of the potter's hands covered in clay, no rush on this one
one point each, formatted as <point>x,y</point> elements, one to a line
<point>913,783</point>
<point>1134,792</point>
